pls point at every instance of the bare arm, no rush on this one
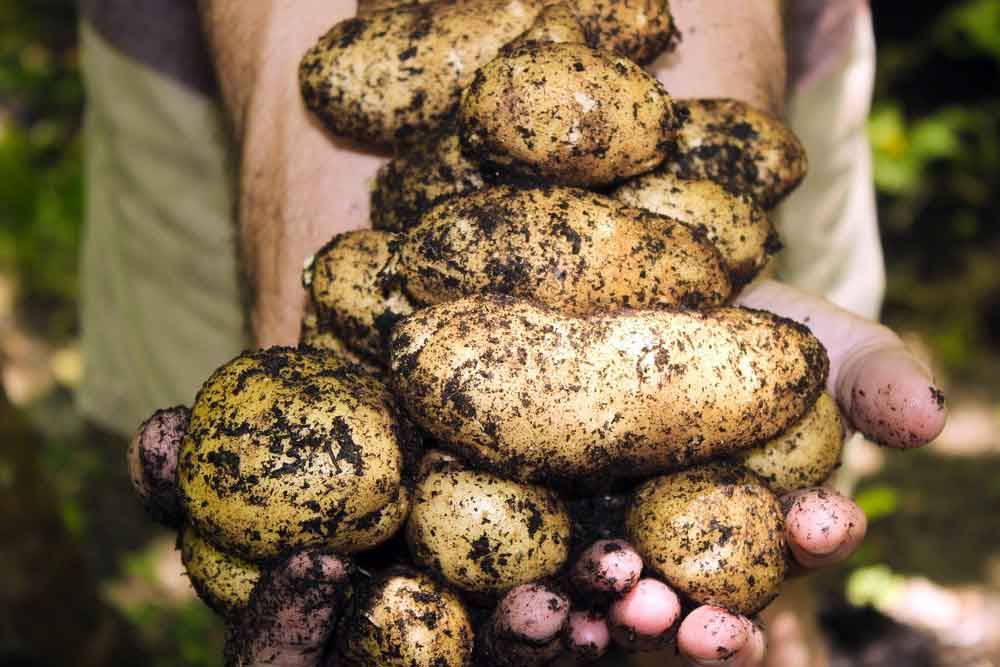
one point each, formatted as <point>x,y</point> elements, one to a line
<point>297,186</point>
<point>728,49</point>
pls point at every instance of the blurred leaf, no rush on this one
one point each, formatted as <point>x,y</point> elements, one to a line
<point>972,26</point>
<point>874,585</point>
<point>878,501</point>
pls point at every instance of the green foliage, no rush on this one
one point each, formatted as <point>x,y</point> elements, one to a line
<point>935,132</point>
<point>41,190</point>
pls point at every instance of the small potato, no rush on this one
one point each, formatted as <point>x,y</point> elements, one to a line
<point>419,177</point>
<point>485,534</point>
<point>567,114</point>
<point>407,620</point>
<point>290,449</point>
<point>224,582</point>
<point>746,150</point>
<point>352,292</point>
<point>805,455</point>
<point>714,532</point>
<point>556,24</point>
<point>312,334</point>
<point>639,30</point>
<point>392,74</point>
<point>538,396</point>
<point>574,250</point>
<point>735,224</point>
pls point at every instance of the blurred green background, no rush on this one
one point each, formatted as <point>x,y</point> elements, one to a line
<point>935,514</point>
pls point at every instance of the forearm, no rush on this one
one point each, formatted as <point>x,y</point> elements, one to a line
<point>297,187</point>
<point>728,49</point>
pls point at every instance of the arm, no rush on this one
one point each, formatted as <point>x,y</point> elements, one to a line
<point>297,186</point>
<point>728,49</point>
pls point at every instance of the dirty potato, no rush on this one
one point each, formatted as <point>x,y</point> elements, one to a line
<point>805,455</point>
<point>352,294</point>
<point>746,150</point>
<point>420,176</point>
<point>556,24</point>
<point>735,224</point>
<point>567,114</point>
<point>574,250</point>
<point>223,581</point>
<point>538,396</point>
<point>407,620</point>
<point>639,30</point>
<point>290,449</point>
<point>485,534</point>
<point>394,73</point>
<point>714,532</point>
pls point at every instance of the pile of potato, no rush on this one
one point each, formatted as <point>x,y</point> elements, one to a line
<point>540,313</point>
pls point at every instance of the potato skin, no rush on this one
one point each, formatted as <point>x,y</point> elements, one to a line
<point>290,449</point>
<point>574,250</point>
<point>223,581</point>
<point>639,30</point>
<point>803,456</point>
<point>714,532</point>
<point>419,177</point>
<point>407,620</point>
<point>746,150</point>
<point>537,396</point>
<point>394,73</point>
<point>734,223</point>
<point>566,114</point>
<point>353,293</point>
<point>485,534</point>
<point>556,24</point>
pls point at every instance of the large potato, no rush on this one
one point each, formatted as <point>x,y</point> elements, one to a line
<point>352,291</point>
<point>407,620</point>
<point>567,114</point>
<point>805,455</point>
<point>485,534</point>
<point>222,580</point>
<point>735,224</point>
<point>539,396</point>
<point>746,150</point>
<point>291,449</point>
<point>393,73</point>
<point>714,532</point>
<point>574,250</point>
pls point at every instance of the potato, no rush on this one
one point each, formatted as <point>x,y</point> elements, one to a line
<point>805,455</point>
<point>746,150</point>
<point>537,396</point>
<point>312,334</point>
<point>407,620</point>
<point>419,177</point>
<point>567,114</point>
<point>556,24</point>
<point>574,250</point>
<point>392,74</point>
<point>639,30</point>
<point>224,582</point>
<point>290,449</point>
<point>352,291</point>
<point>485,534</point>
<point>735,224</point>
<point>715,533</point>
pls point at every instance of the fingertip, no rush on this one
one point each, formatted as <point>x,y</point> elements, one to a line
<point>533,612</point>
<point>822,527</point>
<point>711,635</point>
<point>649,609</point>
<point>587,635</point>
<point>152,458</point>
<point>892,398</point>
<point>608,566</point>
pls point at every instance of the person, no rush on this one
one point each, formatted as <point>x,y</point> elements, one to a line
<point>177,142</point>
